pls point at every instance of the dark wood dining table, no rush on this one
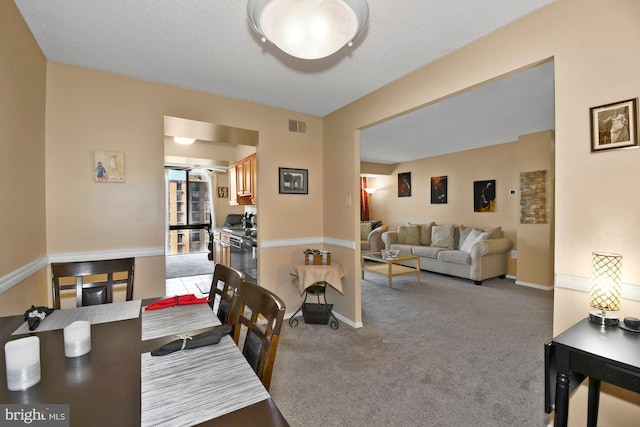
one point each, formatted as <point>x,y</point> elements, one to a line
<point>103,387</point>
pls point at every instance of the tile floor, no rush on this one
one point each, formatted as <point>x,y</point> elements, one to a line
<point>197,285</point>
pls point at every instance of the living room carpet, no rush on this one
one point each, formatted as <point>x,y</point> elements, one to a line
<point>183,265</point>
<point>440,353</point>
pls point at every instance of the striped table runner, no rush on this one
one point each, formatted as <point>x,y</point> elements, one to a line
<point>192,386</point>
<point>95,314</point>
<point>177,320</point>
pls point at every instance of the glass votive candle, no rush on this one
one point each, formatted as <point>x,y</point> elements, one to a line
<point>77,338</point>
<point>22,359</point>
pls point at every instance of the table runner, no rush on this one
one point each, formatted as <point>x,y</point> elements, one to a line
<point>95,314</point>
<point>192,386</point>
<point>177,320</point>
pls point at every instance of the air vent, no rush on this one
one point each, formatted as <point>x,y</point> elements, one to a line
<point>297,126</point>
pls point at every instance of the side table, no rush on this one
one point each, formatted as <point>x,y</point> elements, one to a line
<point>314,279</point>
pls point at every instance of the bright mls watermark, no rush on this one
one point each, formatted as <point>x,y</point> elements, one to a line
<point>34,415</point>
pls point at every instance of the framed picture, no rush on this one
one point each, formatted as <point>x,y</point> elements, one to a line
<point>108,166</point>
<point>438,190</point>
<point>293,181</point>
<point>223,192</point>
<point>404,184</point>
<point>484,196</point>
<point>614,126</point>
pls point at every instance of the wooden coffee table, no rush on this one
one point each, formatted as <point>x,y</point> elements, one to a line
<point>390,266</point>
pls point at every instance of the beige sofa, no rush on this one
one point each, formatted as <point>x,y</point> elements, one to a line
<point>371,236</point>
<point>467,252</point>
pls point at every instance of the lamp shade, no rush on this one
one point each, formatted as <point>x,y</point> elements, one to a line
<point>370,190</point>
<point>308,29</point>
<point>605,293</point>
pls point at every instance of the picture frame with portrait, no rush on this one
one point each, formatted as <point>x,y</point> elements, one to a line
<point>614,126</point>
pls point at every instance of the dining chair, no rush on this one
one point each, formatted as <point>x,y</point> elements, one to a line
<point>225,287</point>
<point>94,280</point>
<point>257,324</point>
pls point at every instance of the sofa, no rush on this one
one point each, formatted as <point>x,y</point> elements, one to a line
<point>475,253</point>
<point>371,236</point>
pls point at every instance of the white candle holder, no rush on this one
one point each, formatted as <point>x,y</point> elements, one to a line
<point>22,359</point>
<point>77,338</point>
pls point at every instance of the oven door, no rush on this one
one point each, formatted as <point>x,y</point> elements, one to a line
<point>250,261</point>
<point>235,252</point>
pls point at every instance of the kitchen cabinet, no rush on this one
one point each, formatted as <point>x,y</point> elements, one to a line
<point>242,181</point>
<point>221,248</point>
<point>254,180</point>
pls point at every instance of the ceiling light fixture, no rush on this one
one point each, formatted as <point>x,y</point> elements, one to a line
<point>183,140</point>
<point>308,29</point>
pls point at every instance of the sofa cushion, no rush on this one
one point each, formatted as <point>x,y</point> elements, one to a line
<point>474,236</point>
<point>463,233</point>
<point>494,232</point>
<point>426,251</point>
<point>425,233</point>
<point>457,257</point>
<point>365,229</point>
<point>409,234</point>
<point>442,236</point>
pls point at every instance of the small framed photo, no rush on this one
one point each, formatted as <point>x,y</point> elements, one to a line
<point>614,126</point>
<point>293,181</point>
<point>223,192</point>
<point>108,166</point>
<point>404,184</point>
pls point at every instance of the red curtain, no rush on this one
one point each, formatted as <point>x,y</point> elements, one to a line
<point>364,200</point>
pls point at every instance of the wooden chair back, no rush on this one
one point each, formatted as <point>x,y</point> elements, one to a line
<point>225,287</point>
<point>94,280</point>
<point>257,326</point>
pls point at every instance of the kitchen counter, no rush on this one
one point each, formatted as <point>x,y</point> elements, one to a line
<point>238,232</point>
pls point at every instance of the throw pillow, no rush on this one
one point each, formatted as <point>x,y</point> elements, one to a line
<point>463,232</point>
<point>365,229</point>
<point>409,234</point>
<point>442,236</point>
<point>473,237</point>
<point>494,232</point>
<point>425,233</point>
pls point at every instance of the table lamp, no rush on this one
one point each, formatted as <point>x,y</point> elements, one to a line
<point>605,292</point>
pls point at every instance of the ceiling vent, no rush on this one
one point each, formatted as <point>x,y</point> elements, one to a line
<point>297,126</point>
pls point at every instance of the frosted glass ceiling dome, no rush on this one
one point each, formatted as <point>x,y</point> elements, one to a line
<point>308,29</point>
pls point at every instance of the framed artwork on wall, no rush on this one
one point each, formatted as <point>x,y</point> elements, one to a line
<point>108,166</point>
<point>293,181</point>
<point>404,184</point>
<point>438,190</point>
<point>614,126</point>
<point>484,196</point>
<point>223,192</point>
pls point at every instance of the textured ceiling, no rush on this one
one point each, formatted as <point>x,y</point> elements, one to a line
<point>208,45</point>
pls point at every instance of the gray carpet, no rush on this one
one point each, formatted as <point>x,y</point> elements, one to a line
<point>188,265</point>
<point>442,353</point>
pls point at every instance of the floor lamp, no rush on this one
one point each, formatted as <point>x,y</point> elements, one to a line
<point>370,191</point>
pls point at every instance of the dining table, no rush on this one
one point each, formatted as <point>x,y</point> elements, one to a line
<point>119,382</point>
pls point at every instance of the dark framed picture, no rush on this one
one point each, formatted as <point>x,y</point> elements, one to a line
<point>438,190</point>
<point>223,192</point>
<point>293,181</point>
<point>614,126</point>
<point>484,196</point>
<point>404,184</point>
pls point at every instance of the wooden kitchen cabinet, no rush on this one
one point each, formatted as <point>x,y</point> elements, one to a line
<point>221,249</point>
<point>242,181</point>
<point>254,180</point>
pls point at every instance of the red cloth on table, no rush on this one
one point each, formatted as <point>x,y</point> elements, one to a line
<point>177,300</point>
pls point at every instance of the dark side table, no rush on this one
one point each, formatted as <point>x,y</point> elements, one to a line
<point>313,280</point>
<point>602,353</point>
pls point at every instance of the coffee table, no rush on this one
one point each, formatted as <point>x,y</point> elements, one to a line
<point>390,266</point>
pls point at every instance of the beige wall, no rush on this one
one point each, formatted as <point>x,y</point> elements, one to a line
<point>22,164</point>
<point>590,70</point>
<point>89,110</point>
<point>504,163</point>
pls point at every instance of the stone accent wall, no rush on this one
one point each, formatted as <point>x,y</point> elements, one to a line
<point>533,198</point>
